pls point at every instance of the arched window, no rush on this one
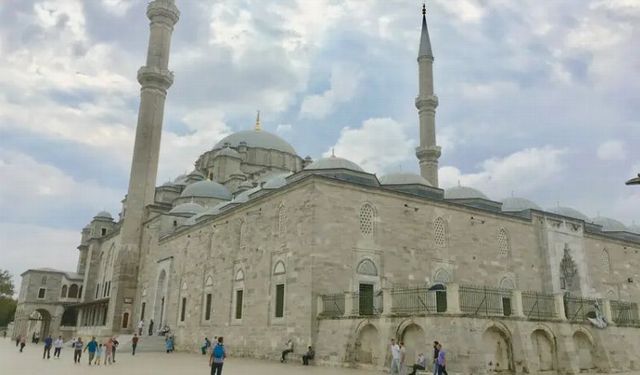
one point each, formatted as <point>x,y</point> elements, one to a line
<point>507,283</point>
<point>282,220</point>
<point>279,268</point>
<point>367,267</point>
<point>209,281</point>
<point>440,232</point>
<point>606,261</point>
<point>64,292</point>
<point>239,275</point>
<point>504,245</point>
<point>441,277</point>
<point>125,320</point>
<point>73,291</point>
<point>238,295</point>
<point>367,220</point>
<point>242,240</point>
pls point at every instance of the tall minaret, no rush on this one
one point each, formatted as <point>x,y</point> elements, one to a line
<point>426,102</point>
<point>155,79</point>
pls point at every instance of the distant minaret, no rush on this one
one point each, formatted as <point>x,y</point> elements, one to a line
<point>155,79</point>
<point>426,102</point>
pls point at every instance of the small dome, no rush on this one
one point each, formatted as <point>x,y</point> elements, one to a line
<point>187,209</point>
<point>609,225</point>
<point>195,175</point>
<point>256,138</point>
<point>227,151</point>
<point>168,184</point>
<point>244,196</point>
<point>333,162</point>
<point>206,189</point>
<point>276,181</point>
<point>403,179</point>
<point>569,212</point>
<point>463,192</point>
<point>103,215</point>
<point>513,204</point>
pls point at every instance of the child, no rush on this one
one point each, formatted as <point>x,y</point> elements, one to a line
<point>98,354</point>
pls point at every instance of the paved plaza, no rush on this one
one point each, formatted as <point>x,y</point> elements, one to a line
<point>30,362</point>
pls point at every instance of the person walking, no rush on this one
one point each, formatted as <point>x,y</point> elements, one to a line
<point>134,344</point>
<point>77,350</point>
<point>435,357</point>
<point>218,354</point>
<point>151,327</point>
<point>18,340</point>
<point>140,326</point>
<point>403,357</point>
<point>205,345</point>
<point>36,338</point>
<point>92,346</point>
<point>57,347</point>
<point>288,348</point>
<point>115,343</point>
<point>421,364</point>
<point>395,358</point>
<point>98,355</point>
<point>442,362</point>
<point>308,356</point>
<point>108,351</point>
<point>168,344</point>
<point>48,342</point>
<point>23,343</point>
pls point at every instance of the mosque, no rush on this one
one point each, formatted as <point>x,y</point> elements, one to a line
<point>261,245</point>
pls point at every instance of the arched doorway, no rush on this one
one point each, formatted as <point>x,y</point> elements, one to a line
<point>415,342</point>
<point>544,349</point>
<point>160,301</point>
<point>366,344</point>
<point>584,349</point>
<point>40,323</point>
<point>497,350</point>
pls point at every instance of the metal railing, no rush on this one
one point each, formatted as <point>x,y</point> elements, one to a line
<point>625,314</point>
<point>538,306</point>
<point>484,301</point>
<point>366,304</point>
<point>578,309</point>
<point>417,300</point>
<point>333,305</point>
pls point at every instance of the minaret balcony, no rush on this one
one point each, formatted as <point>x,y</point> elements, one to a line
<point>428,152</point>
<point>163,11</point>
<point>428,101</point>
<point>151,77</point>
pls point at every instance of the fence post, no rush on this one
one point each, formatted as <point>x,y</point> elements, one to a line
<point>387,303</point>
<point>348,304</point>
<point>516,303</point>
<point>558,299</point>
<point>319,305</point>
<point>606,311</point>
<point>453,299</point>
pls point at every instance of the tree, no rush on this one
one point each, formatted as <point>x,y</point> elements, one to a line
<point>6,284</point>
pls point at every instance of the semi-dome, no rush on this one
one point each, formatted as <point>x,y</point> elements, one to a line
<point>334,162</point>
<point>569,212</point>
<point>513,204</point>
<point>228,151</point>
<point>206,189</point>
<point>256,138</point>
<point>103,215</point>
<point>188,208</point>
<point>463,192</point>
<point>276,181</point>
<point>403,179</point>
<point>244,196</point>
<point>608,224</point>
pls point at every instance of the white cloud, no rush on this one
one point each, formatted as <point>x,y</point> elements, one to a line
<point>117,7</point>
<point>612,150</point>
<point>283,128</point>
<point>378,146</point>
<point>344,83</point>
<point>524,172</point>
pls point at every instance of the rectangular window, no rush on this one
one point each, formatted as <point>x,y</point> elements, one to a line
<point>103,231</point>
<point>239,304</point>
<point>365,299</point>
<point>279,300</point>
<point>97,290</point>
<point>41,292</point>
<point>207,311</point>
<point>144,305</point>
<point>506,306</point>
<point>183,310</point>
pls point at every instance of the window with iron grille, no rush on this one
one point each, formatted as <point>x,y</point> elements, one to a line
<point>279,300</point>
<point>367,220</point>
<point>440,232</point>
<point>282,220</point>
<point>504,247</point>
<point>207,311</point>
<point>239,294</point>
<point>183,309</point>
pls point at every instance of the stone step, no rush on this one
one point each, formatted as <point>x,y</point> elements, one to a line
<point>150,344</point>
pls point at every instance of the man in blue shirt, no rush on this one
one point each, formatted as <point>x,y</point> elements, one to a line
<point>218,354</point>
<point>91,346</point>
<point>47,347</point>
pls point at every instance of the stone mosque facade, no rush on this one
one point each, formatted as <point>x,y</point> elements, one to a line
<point>260,245</point>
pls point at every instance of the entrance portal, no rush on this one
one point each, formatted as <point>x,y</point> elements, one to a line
<point>161,292</point>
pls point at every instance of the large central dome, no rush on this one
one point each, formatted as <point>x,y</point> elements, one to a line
<point>256,138</point>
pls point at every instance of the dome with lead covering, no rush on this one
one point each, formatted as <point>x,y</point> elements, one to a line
<point>609,225</point>
<point>228,151</point>
<point>403,179</point>
<point>103,215</point>
<point>569,212</point>
<point>187,209</point>
<point>276,181</point>
<point>514,204</point>
<point>334,162</point>
<point>256,138</point>
<point>206,189</point>
<point>463,192</point>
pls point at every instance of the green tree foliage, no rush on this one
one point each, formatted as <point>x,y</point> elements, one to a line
<point>6,284</point>
<point>7,303</point>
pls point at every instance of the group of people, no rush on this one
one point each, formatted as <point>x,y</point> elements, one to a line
<point>306,357</point>
<point>104,352</point>
<point>398,359</point>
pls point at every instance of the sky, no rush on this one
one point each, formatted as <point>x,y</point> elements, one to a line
<point>538,99</point>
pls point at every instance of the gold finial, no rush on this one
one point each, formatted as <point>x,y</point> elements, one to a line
<point>424,9</point>
<point>258,127</point>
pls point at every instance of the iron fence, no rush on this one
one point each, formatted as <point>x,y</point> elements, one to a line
<point>364,304</point>
<point>417,300</point>
<point>625,313</point>
<point>485,301</point>
<point>538,306</point>
<point>333,305</point>
<point>578,309</point>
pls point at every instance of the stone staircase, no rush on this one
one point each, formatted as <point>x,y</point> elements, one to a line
<point>149,344</point>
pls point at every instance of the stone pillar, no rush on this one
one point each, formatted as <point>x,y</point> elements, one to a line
<point>516,304</point>
<point>387,303</point>
<point>606,311</point>
<point>348,304</point>
<point>559,303</point>
<point>453,299</point>
<point>319,305</point>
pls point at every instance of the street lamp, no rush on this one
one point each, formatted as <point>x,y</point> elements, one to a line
<point>634,181</point>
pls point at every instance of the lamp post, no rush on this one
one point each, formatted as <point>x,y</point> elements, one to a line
<point>634,181</point>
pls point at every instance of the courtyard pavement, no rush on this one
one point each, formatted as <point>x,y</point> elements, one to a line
<point>30,362</point>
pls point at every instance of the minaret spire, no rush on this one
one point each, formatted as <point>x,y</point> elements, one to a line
<point>258,126</point>
<point>426,102</point>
